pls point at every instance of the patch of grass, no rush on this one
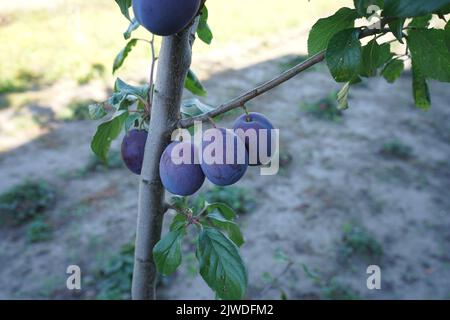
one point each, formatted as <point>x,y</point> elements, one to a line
<point>38,231</point>
<point>357,241</point>
<point>97,71</point>
<point>76,110</point>
<point>337,291</point>
<point>26,201</point>
<point>77,211</point>
<point>115,276</point>
<point>237,198</point>
<point>22,81</point>
<point>10,86</point>
<point>49,286</point>
<point>397,149</point>
<point>324,109</point>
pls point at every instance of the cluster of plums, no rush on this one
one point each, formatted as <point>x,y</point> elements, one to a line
<point>165,17</point>
<point>185,179</point>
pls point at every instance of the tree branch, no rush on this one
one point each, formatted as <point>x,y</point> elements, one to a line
<point>173,65</point>
<point>271,84</point>
<point>152,75</point>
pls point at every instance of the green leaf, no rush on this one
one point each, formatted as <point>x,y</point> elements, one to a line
<point>393,70</point>
<point>447,35</point>
<point>193,84</point>
<point>342,97</point>
<point>412,8</point>
<point>106,133</point>
<point>194,107</point>
<point>131,120</point>
<point>124,6</point>
<point>115,99</point>
<point>123,54</point>
<point>421,22</point>
<point>179,202</point>
<point>97,111</point>
<point>167,252</point>
<point>221,265</point>
<point>430,53</point>
<point>134,24</point>
<point>224,209</point>
<point>230,227</point>
<point>396,27</point>
<point>343,55</point>
<point>203,30</point>
<point>128,89</point>
<point>373,57</point>
<point>125,103</point>
<point>363,5</point>
<point>421,91</point>
<point>178,222</point>
<point>324,29</point>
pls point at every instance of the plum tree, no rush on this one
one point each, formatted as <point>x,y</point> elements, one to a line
<point>180,172</point>
<point>225,158</point>
<point>132,149</point>
<point>256,131</point>
<point>165,17</point>
<point>336,40</point>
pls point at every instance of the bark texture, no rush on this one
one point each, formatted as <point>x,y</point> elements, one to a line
<point>174,62</point>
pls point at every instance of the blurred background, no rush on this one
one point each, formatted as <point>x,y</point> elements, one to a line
<point>368,186</point>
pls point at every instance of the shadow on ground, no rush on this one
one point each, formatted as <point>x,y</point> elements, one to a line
<point>363,187</point>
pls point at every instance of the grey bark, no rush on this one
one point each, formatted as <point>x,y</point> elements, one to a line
<point>174,62</point>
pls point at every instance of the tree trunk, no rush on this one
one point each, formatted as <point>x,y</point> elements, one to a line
<point>173,65</point>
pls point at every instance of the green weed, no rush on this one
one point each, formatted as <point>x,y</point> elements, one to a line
<point>397,149</point>
<point>38,231</point>
<point>26,201</point>
<point>324,109</point>
<point>76,110</point>
<point>357,241</point>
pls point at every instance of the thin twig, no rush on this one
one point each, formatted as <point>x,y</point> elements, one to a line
<point>152,75</point>
<point>141,39</point>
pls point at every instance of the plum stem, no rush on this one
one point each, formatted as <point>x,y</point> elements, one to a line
<point>211,120</point>
<point>247,118</point>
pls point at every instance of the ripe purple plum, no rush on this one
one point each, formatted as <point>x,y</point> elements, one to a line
<point>179,169</point>
<point>257,135</point>
<point>224,157</point>
<point>165,17</point>
<point>133,147</point>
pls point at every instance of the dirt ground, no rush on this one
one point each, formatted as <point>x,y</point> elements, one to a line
<point>337,177</point>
